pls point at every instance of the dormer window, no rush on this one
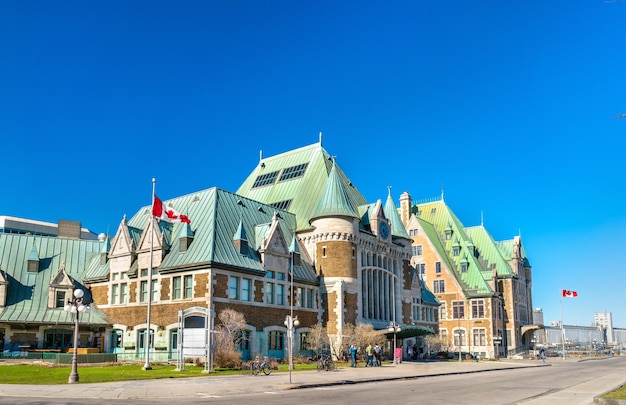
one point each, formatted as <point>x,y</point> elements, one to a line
<point>464,265</point>
<point>448,232</point>
<point>33,261</point>
<point>456,248</point>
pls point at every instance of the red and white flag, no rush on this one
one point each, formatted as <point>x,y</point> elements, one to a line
<point>568,293</point>
<point>167,213</point>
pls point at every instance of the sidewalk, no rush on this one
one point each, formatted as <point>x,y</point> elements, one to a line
<point>200,387</point>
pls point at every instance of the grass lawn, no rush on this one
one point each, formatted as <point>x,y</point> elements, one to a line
<point>43,374</point>
<point>619,393</point>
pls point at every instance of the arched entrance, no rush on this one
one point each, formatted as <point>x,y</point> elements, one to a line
<point>195,331</point>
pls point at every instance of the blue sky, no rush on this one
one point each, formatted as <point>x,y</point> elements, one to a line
<point>509,106</point>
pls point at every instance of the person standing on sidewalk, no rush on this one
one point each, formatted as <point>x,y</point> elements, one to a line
<point>378,356</point>
<point>353,352</point>
<point>369,351</point>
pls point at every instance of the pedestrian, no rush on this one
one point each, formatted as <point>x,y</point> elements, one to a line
<point>542,353</point>
<point>378,356</point>
<point>353,352</point>
<point>409,352</point>
<point>369,351</point>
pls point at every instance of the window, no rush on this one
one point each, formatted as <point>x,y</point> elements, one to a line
<point>460,338</point>
<point>269,293</point>
<point>293,172</point>
<point>323,251</point>
<point>176,288</point>
<point>282,205</point>
<point>412,232</point>
<point>265,179</point>
<point>233,288</point>
<point>123,294</point>
<point>242,340</point>
<point>310,302</point>
<point>414,250</point>
<point>439,286</point>
<point>305,343</point>
<point>60,299</point>
<point>463,267</point>
<point>423,269</point>
<point>143,291</point>
<point>438,267</point>
<point>443,311</point>
<point>245,289</point>
<point>188,285</point>
<point>114,293</point>
<point>275,340</point>
<point>280,294</point>
<point>456,250</point>
<point>458,310</point>
<point>478,309</point>
<point>479,337</point>
<point>443,334</point>
<point>419,250</point>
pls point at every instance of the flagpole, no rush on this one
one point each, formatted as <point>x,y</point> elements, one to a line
<point>562,327</point>
<point>147,366</point>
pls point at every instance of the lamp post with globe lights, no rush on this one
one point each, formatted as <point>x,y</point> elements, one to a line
<point>395,328</point>
<point>75,306</point>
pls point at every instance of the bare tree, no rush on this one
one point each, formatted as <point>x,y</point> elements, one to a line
<point>228,332</point>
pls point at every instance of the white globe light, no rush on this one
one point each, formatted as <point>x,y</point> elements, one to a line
<point>78,293</point>
<point>82,308</point>
<point>296,322</point>
<point>67,308</point>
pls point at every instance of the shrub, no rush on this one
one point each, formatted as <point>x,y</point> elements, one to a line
<point>227,359</point>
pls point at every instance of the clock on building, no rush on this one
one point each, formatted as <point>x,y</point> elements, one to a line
<point>383,230</point>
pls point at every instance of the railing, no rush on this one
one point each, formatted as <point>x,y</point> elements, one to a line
<point>63,358</point>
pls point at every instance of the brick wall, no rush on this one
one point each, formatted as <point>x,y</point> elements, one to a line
<point>338,261</point>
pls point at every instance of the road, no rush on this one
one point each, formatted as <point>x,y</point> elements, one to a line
<point>568,383</point>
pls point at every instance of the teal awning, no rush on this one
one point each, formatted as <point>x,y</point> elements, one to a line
<point>407,331</point>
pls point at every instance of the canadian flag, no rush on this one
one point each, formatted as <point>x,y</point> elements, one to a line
<point>167,213</point>
<point>568,293</point>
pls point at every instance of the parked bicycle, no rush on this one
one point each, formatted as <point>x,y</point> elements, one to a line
<point>326,363</point>
<point>258,366</point>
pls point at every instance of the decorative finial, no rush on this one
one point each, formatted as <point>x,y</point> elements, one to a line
<point>389,190</point>
<point>320,137</point>
<point>482,219</point>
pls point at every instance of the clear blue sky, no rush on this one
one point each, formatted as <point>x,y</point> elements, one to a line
<point>509,106</point>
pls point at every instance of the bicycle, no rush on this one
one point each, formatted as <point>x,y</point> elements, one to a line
<point>325,363</point>
<point>258,366</point>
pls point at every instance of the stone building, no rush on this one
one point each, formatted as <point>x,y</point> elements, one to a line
<point>484,286</point>
<point>297,223</point>
<point>38,273</point>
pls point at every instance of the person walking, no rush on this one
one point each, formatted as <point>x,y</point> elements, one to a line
<point>353,352</point>
<point>369,351</point>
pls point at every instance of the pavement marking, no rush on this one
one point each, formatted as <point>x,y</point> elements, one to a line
<point>203,395</point>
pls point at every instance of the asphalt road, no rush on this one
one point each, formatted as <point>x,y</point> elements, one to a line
<point>568,383</point>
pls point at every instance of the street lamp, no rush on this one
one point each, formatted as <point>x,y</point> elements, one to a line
<point>75,306</point>
<point>461,333</point>
<point>395,328</point>
<point>290,323</point>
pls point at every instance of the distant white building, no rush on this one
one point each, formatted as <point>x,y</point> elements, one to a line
<point>604,320</point>
<point>22,226</point>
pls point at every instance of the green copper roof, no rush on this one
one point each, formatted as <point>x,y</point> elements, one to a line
<point>334,200</point>
<point>27,292</point>
<point>296,180</point>
<point>441,217</point>
<point>391,212</point>
<point>216,217</point>
<point>490,254</point>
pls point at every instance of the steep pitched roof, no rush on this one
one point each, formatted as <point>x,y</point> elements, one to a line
<point>27,292</point>
<point>441,217</point>
<point>334,200</point>
<point>216,216</point>
<point>490,254</point>
<point>391,212</point>
<point>295,181</point>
